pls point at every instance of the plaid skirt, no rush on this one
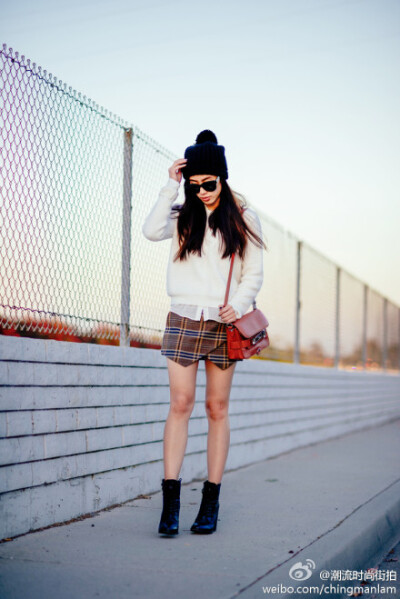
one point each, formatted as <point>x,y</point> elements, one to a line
<point>185,341</point>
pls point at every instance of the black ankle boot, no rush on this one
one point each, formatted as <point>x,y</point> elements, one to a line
<point>169,523</point>
<point>206,520</point>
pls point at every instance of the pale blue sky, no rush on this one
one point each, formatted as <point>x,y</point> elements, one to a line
<point>304,94</point>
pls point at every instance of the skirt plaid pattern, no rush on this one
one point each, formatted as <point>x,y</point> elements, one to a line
<point>185,341</point>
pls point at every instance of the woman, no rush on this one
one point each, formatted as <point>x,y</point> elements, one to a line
<point>205,230</point>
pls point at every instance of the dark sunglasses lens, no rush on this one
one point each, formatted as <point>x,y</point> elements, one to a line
<point>193,187</point>
<point>210,185</point>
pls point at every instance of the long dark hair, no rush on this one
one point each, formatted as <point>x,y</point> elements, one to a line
<point>226,218</point>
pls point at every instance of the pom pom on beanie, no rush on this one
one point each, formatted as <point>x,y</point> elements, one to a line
<point>206,135</point>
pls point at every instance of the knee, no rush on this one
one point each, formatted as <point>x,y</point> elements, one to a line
<point>216,408</point>
<point>182,404</point>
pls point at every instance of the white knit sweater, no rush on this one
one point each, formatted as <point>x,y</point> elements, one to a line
<point>200,281</point>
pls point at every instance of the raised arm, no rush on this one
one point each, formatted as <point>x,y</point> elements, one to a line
<point>159,223</point>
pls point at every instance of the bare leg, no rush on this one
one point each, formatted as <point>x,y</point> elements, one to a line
<point>182,383</point>
<point>218,389</point>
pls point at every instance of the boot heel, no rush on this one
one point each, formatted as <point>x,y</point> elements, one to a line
<point>216,519</point>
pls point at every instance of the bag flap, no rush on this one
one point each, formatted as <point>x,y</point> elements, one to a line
<point>252,323</point>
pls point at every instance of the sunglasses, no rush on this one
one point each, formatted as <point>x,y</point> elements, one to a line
<point>207,186</point>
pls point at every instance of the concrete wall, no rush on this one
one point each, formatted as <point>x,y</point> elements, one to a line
<point>81,425</point>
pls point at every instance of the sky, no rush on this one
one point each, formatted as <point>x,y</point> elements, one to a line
<point>303,94</point>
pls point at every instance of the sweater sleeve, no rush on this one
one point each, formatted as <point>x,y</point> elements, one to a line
<point>252,270</point>
<point>159,224</point>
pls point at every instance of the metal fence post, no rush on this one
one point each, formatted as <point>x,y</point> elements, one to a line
<point>298,306</point>
<point>364,338</point>
<point>126,239</point>
<point>337,318</point>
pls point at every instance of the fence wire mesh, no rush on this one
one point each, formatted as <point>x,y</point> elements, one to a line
<point>374,347</point>
<point>277,298</point>
<point>76,183</point>
<point>317,308</point>
<point>393,335</point>
<point>351,321</point>
<point>61,199</point>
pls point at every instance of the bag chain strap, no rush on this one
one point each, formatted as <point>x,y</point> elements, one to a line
<point>228,285</point>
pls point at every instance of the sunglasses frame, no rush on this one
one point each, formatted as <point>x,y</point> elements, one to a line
<point>195,187</point>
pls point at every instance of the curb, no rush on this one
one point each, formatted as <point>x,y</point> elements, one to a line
<point>358,542</point>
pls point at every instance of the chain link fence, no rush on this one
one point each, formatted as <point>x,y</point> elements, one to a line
<point>76,183</point>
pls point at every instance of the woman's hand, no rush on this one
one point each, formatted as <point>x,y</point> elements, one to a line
<point>175,170</point>
<point>227,313</point>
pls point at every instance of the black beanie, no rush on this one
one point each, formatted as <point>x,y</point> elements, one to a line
<point>205,157</point>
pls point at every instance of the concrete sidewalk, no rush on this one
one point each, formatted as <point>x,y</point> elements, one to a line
<point>336,503</point>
